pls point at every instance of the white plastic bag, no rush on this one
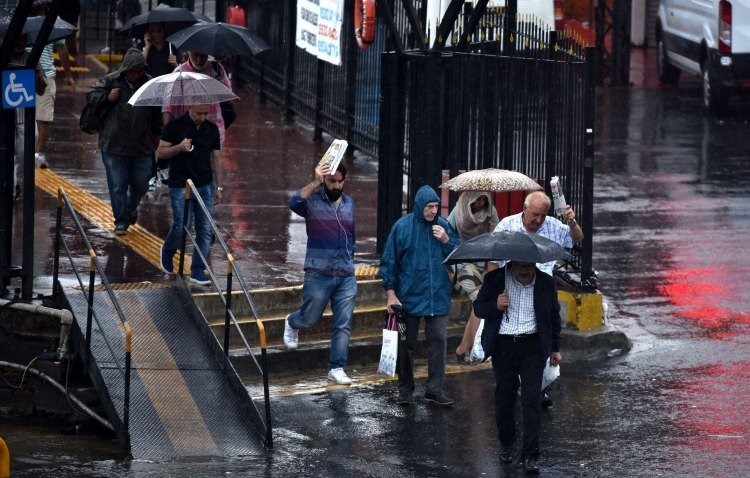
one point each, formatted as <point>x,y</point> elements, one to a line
<point>550,374</point>
<point>389,352</point>
<point>477,352</point>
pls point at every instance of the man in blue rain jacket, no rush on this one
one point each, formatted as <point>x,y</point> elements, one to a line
<point>415,278</point>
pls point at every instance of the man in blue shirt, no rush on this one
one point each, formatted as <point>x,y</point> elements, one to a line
<point>329,264</point>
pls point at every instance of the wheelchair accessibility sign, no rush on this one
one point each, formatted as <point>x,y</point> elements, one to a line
<point>19,89</point>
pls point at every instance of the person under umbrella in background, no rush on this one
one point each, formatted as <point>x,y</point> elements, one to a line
<point>160,55</point>
<point>126,138</point>
<point>534,220</point>
<point>473,215</point>
<point>415,278</point>
<point>522,329</point>
<point>199,63</point>
<point>45,103</point>
<point>162,60</point>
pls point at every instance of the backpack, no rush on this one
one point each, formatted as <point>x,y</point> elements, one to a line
<point>93,113</point>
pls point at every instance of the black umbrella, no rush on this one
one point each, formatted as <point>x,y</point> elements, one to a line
<point>218,39</point>
<point>173,18</point>
<point>61,29</point>
<point>507,246</point>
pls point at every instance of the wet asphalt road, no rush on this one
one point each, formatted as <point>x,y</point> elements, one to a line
<point>671,218</point>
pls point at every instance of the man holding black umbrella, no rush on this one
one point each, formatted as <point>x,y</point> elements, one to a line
<point>522,329</point>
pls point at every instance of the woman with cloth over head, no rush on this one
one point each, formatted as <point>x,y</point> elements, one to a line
<point>472,216</point>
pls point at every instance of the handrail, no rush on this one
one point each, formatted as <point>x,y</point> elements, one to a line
<point>94,267</point>
<point>192,193</point>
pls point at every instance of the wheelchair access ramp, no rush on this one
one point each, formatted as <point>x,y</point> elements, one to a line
<point>185,397</point>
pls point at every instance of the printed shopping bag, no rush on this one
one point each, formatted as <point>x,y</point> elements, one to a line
<point>389,352</point>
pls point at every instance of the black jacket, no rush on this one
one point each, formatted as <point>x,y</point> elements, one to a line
<point>546,309</point>
<point>126,130</point>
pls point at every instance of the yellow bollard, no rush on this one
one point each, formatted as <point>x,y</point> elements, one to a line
<point>590,312</point>
<point>581,311</point>
<point>568,307</point>
<point>4,460</point>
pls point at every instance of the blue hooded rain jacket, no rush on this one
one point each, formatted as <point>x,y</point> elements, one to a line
<point>412,261</point>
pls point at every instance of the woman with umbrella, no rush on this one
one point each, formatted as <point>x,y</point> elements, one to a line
<point>472,216</point>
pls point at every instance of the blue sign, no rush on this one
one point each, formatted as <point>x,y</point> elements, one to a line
<point>19,89</point>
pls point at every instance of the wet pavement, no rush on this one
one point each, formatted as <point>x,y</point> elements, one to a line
<point>671,194</point>
<point>266,157</point>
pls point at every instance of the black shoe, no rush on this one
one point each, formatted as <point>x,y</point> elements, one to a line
<point>404,400</point>
<point>529,466</point>
<point>546,401</point>
<point>121,229</point>
<point>506,454</point>
<point>441,399</point>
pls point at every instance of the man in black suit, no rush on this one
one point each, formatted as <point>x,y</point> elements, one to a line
<point>521,329</point>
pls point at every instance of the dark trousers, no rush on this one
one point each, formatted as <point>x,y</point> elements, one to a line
<point>514,357</point>
<point>436,337</point>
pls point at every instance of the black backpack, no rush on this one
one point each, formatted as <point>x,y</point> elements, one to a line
<point>93,113</point>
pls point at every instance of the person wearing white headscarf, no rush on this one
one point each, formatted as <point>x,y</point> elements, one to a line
<point>473,215</point>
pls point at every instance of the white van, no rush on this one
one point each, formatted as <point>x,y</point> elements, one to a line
<point>708,38</point>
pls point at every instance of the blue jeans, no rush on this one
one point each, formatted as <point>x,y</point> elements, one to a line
<point>202,225</point>
<point>317,290</point>
<point>127,180</point>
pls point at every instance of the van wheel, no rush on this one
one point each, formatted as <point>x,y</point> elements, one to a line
<point>667,73</point>
<point>714,96</point>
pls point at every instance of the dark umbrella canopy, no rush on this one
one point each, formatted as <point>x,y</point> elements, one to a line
<point>507,246</point>
<point>61,29</point>
<point>218,39</point>
<point>173,18</point>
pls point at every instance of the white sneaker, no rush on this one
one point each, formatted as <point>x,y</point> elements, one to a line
<point>339,376</point>
<point>290,335</point>
<point>41,160</point>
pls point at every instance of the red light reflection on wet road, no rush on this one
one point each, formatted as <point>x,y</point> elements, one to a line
<point>716,404</point>
<point>700,295</point>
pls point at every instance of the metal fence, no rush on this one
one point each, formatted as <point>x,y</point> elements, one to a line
<point>340,100</point>
<point>487,88</point>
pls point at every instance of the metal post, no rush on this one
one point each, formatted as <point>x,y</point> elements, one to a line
<point>183,237</point>
<point>587,210</point>
<point>126,401</point>
<point>227,310</point>
<point>90,311</point>
<point>7,131</point>
<point>58,244</point>
<point>27,261</point>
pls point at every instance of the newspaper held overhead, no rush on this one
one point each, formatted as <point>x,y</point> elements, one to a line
<point>333,155</point>
<point>557,196</point>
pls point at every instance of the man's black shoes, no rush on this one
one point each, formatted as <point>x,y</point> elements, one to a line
<point>530,467</point>
<point>436,399</point>
<point>506,454</point>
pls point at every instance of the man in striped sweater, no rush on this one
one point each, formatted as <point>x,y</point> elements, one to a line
<point>329,264</point>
